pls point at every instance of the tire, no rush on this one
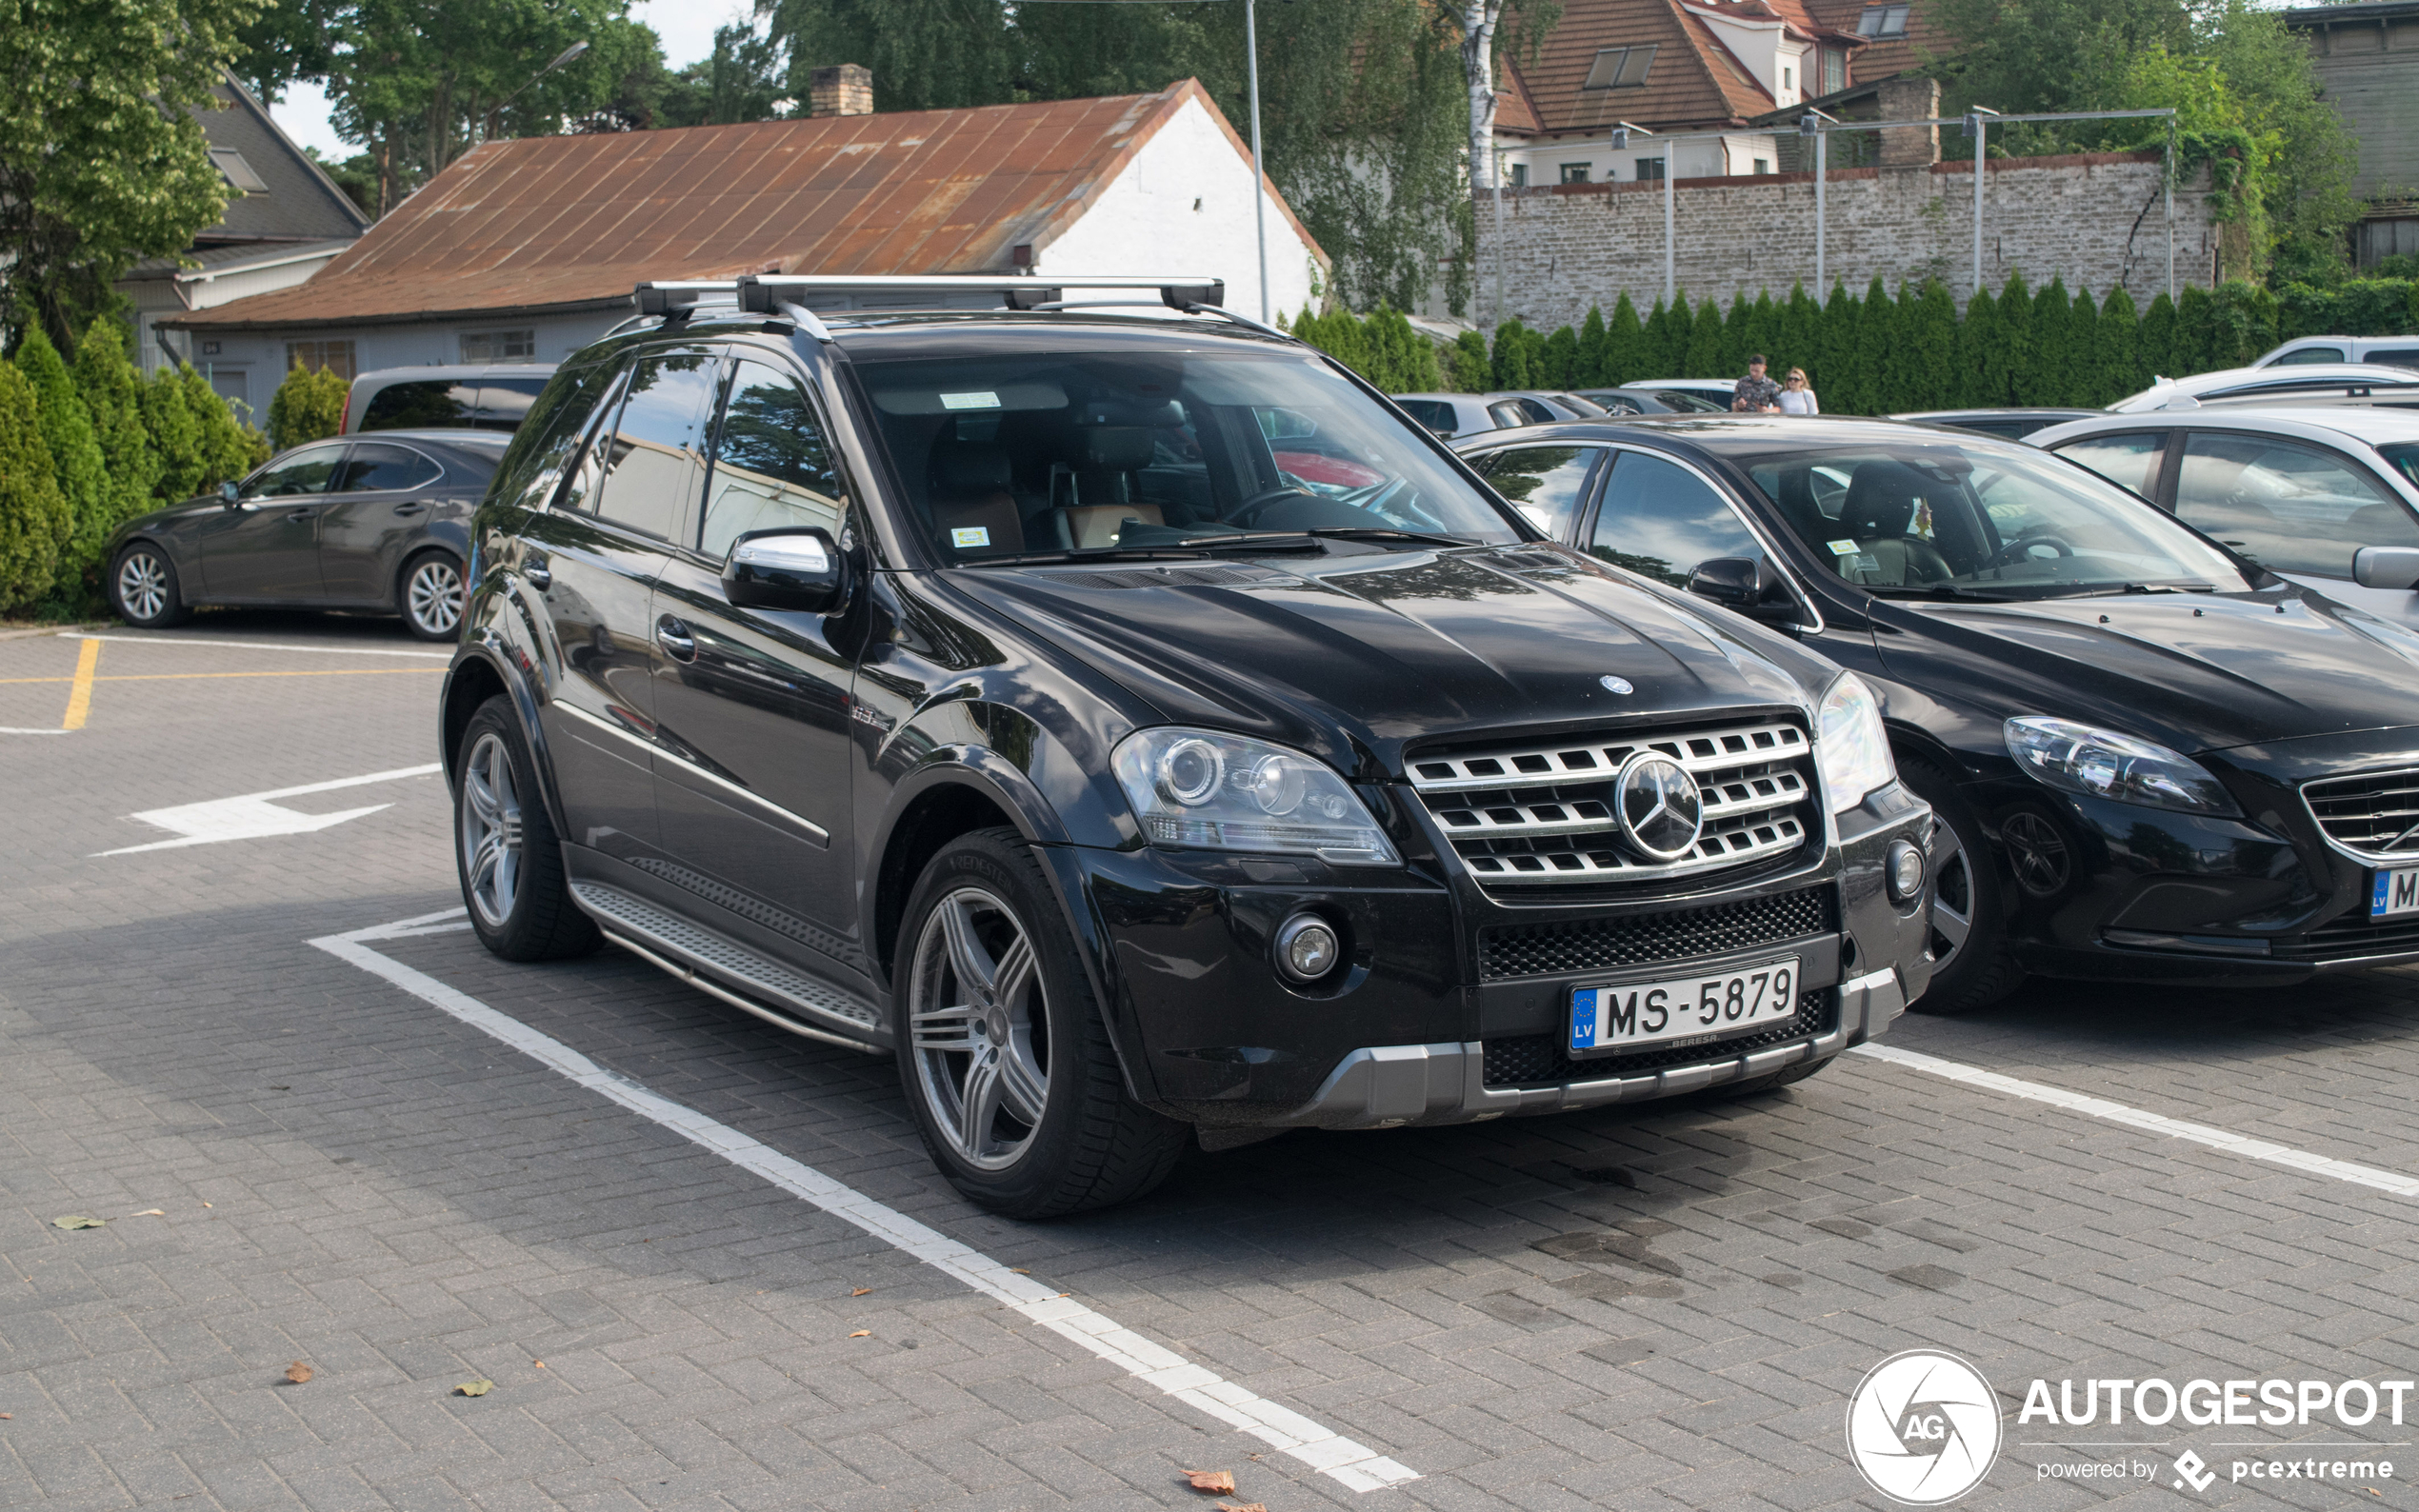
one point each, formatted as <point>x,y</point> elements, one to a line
<point>1972,967</point>
<point>428,591</point>
<point>1769,1080</point>
<point>505,847</point>
<point>144,590</point>
<point>1003,1053</point>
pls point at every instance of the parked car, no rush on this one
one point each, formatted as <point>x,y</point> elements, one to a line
<point>2311,382</point>
<point>488,398</point>
<point>1467,414</point>
<point>337,524</point>
<point>2392,351</point>
<point>2008,425</point>
<point>1652,402</point>
<point>1718,393</point>
<point>2150,759</point>
<point>2326,497</point>
<point>1558,404</point>
<point>979,690</point>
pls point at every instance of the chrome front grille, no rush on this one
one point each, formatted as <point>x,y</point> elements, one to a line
<point>1543,813</point>
<point>2374,815</point>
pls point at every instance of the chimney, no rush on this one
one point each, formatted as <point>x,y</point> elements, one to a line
<point>844,89</point>
<point>1905,99</point>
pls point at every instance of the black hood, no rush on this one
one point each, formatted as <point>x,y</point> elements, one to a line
<point>2192,671</point>
<point>1354,657</point>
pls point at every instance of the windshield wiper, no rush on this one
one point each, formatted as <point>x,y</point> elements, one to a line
<point>2112,589</point>
<point>1089,553</point>
<point>1936,590</point>
<point>1383,532</point>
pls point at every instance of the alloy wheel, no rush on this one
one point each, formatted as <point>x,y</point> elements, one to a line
<point>433,596</point>
<point>979,1018</point>
<point>142,586</point>
<point>491,821</point>
<point>1952,901</point>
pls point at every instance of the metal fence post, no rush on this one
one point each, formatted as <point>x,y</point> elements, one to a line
<point>1670,268</point>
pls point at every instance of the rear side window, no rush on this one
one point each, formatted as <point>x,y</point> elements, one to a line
<point>1507,414</point>
<point>1546,483</point>
<point>420,403</point>
<point>2395,356</point>
<point>533,465</point>
<point>2308,354</point>
<point>377,467</point>
<point>2290,508</point>
<point>773,469</point>
<point>1434,413</point>
<point>2129,461</point>
<point>504,403</point>
<point>654,461</point>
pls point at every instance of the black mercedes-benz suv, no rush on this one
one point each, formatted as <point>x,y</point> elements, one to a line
<point>1145,733</point>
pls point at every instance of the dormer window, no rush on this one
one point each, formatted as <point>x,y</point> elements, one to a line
<point>1620,68</point>
<point>1883,21</point>
<point>238,173</point>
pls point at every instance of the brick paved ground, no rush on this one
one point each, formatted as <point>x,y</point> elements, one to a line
<point>1651,1309</point>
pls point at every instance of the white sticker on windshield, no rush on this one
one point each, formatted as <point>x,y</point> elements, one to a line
<point>986,400</point>
<point>1842,547</point>
<point>967,538</point>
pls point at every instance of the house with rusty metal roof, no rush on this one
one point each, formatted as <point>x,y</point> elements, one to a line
<point>528,249</point>
<point>285,220</point>
<point>1743,69</point>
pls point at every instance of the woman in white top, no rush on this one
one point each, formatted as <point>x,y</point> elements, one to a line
<point>1797,397</point>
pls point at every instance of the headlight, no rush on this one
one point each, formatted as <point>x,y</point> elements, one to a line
<point>1850,745</point>
<point>1197,789</point>
<point>2103,764</point>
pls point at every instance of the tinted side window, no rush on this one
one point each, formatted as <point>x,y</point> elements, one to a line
<point>771,468</point>
<point>376,466</point>
<point>308,471</point>
<point>533,463</point>
<point>1434,413</point>
<point>2290,508</point>
<point>1544,482</point>
<point>504,403</point>
<point>1507,414</point>
<point>2310,354</point>
<point>2395,356</point>
<point>422,402</point>
<point>1662,520</point>
<point>655,465</point>
<point>2129,461</point>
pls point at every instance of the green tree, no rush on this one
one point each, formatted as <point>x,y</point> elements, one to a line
<point>1473,371</point>
<point>1560,365</point>
<point>2041,380</point>
<point>2157,344</point>
<point>229,448</point>
<point>1801,326</point>
<point>2119,348</point>
<point>1976,335</point>
<point>33,515</point>
<point>1737,338</point>
<point>1836,353</point>
<point>2015,340</point>
<point>308,406</point>
<point>112,395</point>
<point>1625,346</point>
<point>2243,322</point>
<point>1928,348</point>
<point>66,433</point>
<point>1705,356</point>
<point>2193,344</point>
<point>177,436</point>
<point>102,162</point>
<point>1512,368</point>
<point>1659,352</point>
<point>1876,350</point>
<point>1591,348</point>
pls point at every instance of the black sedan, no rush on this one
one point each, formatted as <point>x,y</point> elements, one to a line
<point>2150,758</point>
<point>339,524</point>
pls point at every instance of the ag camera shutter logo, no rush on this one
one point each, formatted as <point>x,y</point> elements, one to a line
<point>1923,1427</point>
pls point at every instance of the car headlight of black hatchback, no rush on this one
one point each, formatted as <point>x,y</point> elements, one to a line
<point>1199,789</point>
<point>2103,764</point>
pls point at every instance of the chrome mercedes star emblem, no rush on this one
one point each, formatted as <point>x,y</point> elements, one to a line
<point>1616,685</point>
<point>1659,805</point>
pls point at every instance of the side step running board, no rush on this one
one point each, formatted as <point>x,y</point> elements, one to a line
<point>731,972</point>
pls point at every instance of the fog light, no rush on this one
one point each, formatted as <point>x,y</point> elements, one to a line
<point>1306,948</point>
<point>1905,871</point>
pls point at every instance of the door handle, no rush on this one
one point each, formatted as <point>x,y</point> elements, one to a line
<point>537,575</point>
<point>675,640</point>
<point>302,514</point>
<point>413,508</point>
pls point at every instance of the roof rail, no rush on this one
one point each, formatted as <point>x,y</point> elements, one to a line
<point>765,294</point>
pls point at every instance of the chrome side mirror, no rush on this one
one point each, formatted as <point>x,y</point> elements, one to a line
<point>2386,566</point>
<point>786,569</point>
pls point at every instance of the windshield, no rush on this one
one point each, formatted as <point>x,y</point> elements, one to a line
<point>1081,452</point>
<point>1980,520</point>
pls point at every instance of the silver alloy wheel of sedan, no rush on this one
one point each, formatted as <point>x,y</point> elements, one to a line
<point>979,1015</point>
<point>142,585</point>
<point>1952,898</point>
<point>491,837</point>
<point>432,597</point>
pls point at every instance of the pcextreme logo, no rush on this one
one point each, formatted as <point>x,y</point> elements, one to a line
<point>1923,1427</point>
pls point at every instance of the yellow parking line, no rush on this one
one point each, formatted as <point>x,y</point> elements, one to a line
<point>84,678</point>
<point>80,696</point>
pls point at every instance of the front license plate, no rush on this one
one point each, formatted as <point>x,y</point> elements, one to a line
<point>1683,1010</point>
<point>2395,892</point>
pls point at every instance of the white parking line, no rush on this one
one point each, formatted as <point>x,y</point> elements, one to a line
<point>2216,1139</point>
<point>1324,1450</point>
<point>247,646</point>
<point>254,817</point>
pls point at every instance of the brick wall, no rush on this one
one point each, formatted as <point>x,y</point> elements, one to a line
<point>2093,218</point>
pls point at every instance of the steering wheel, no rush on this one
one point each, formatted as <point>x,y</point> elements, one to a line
<point>1247,513</point>
<point>2022,546</point>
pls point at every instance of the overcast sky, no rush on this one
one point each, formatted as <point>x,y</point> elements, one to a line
<point>686,26</point>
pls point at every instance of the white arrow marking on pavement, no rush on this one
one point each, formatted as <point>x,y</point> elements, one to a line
<point>1322,1448</point>
<point>253,816</point>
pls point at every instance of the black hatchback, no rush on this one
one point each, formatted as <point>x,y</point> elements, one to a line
<point>1147,735</point>
<point>2150,759</point>
<point>346,524</point>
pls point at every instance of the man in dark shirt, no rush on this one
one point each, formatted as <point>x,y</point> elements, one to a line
<point>1756,394</point>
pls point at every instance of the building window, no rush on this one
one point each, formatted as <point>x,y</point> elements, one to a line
<point>1620,68</point>
<point>499,345</point>
<point>1575,172</point>
<point>331,356</point>
<point>239,175</point>
<point>1834,70</point>
<point>1763,165</point>
<point>1649,167</point>
<point>1882,20</point>
<point>1520,175</point>
<point>1788,79</point>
